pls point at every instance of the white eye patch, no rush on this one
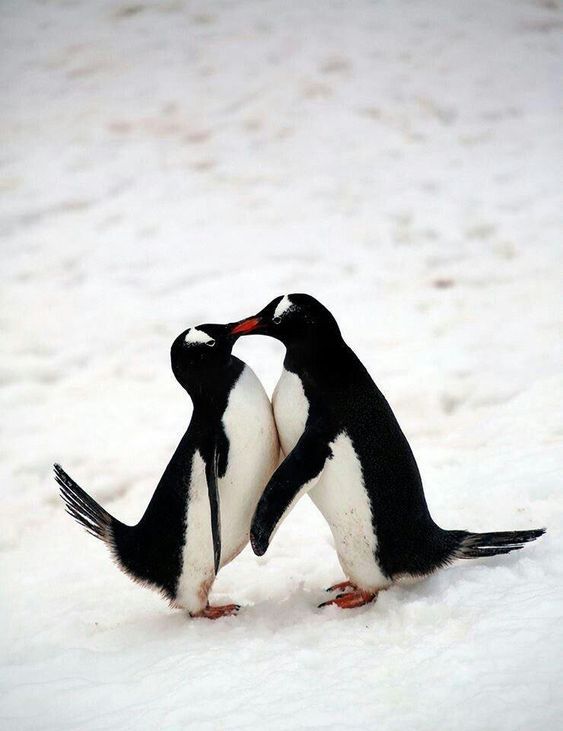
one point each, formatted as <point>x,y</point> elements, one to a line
<point>283,306</point>
<point>194,336</point>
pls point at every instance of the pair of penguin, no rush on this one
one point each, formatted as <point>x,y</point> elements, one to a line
<point>340,443</point>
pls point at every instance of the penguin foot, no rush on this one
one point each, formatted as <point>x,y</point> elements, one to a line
<point>351,599</point>
<point>227,610</point>
<point>342,586</point>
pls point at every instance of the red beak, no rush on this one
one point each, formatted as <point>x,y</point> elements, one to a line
<point>246,326</point>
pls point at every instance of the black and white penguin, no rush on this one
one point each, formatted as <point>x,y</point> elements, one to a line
<point>199,516</point>
<point>345,448</point>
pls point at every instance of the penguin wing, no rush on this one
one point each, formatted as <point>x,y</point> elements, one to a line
<point>296,475</point>
<point>211,472</point>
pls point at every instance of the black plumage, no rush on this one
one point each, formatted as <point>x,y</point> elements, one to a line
<point>151,551</point>
<point>343,399</point>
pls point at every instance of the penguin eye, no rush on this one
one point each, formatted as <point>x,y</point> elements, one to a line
<point>276,320</point>
<point>210,343</point>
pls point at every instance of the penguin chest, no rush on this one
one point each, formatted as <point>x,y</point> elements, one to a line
<point>252,457</point>
<point>197,569</point>
<point>291,409</point>
<point>340,493</point>
<point>341,497</point>
<point>249,425</point>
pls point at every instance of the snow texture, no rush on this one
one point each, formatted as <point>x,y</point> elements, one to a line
<point>175,162</point>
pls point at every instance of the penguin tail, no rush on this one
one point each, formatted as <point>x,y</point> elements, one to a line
<point>479,545</point>
<point>85,510</point>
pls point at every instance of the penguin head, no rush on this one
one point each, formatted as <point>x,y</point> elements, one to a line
<point>198,352</point>
<point>291,318</point>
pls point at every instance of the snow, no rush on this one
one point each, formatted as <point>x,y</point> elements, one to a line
<point>171,163</point>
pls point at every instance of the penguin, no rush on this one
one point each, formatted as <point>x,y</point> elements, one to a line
<point>199,517</point>
<point>344,447</point>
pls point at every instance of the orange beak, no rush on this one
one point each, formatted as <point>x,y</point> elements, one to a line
<point>246,326</point>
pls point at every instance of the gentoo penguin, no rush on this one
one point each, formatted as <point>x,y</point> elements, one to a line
<point>199,516</point>
<point>345,448</point>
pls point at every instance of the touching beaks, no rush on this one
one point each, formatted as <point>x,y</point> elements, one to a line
<point>246,326</point>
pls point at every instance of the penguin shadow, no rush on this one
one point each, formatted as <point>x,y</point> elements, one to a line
<point>280,609</point>
<point>285,609</point>
<point>164,626</point>
<point>274,612</point>
<point>289,607</point>
<point>458,576</point>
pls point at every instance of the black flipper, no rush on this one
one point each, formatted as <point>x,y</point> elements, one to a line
<point>297,474</point>
<point>211,472</point>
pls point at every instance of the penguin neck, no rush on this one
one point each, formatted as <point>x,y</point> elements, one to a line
<point>208,400</point>
<point>210,394</point>
<point>312,357</point>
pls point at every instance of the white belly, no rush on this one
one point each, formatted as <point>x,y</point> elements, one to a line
<point>253,456</point>
<point>198,571</point>
<point>341,497</point>
<point>291,409</point>
<point>339,493</point>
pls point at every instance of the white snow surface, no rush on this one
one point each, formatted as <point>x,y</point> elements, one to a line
<point>170,163</point>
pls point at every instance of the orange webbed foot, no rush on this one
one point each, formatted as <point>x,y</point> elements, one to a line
<point>342,586</point>
<point>351,600</point>
<point>227,610</point>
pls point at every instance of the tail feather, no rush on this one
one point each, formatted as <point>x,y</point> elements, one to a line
<point>478,545</point>
<point>84,509</point>
<point>120,539</point>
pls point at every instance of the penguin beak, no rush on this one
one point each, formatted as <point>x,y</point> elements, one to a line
<point>246,327</point>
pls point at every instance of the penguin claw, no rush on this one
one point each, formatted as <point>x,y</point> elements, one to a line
<point>351,600</point>
<point>341,586</point>
<point>227,610</point>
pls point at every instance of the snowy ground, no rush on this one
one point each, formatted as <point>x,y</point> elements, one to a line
<point>164,164</point>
